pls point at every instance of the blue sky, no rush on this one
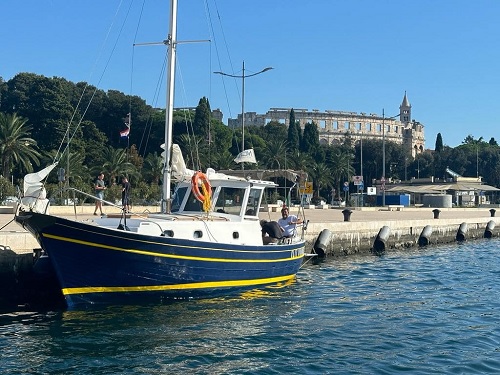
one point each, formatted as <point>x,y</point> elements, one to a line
<point>358,55</point>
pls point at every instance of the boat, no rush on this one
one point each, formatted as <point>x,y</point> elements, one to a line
<point>205,242</point>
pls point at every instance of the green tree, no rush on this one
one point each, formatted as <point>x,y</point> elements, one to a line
<point>201,123</point>
<point>274,154</point>
<point>153,168</point>
<point>42,101</point>
<point>17,148</point>
<point>293,139</point>
<point>6,188</point>
<point>439,143</point>
<point>115,165</point>
<point>310,139</point>
<point>322,177</point>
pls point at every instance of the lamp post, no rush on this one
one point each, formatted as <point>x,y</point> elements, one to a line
<point>383,153</point>
<point>243,76</point>
<point>361,163</point>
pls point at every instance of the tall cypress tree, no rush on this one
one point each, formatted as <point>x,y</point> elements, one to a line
<point>293,135</point>
<point>201,123</point>
<point>439,143</point>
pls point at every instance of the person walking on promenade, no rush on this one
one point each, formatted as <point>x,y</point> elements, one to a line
<point>126,194</point>
<point>99,187</point>
<point>288,223</point>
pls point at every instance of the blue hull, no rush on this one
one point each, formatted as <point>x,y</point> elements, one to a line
<point>99,265</point>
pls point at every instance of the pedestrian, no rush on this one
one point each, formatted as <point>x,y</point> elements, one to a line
<point>288,223</point>
<point>126,194</point>
<point>99,187</point>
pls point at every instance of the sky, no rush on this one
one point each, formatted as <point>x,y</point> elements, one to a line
<point>357,55</point>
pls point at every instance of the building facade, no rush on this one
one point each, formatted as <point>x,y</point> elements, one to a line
<point>333,126</point>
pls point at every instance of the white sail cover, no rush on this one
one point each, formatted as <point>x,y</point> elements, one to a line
<point>246,156</point>
<point>179,169</point>
<point>34,193</point>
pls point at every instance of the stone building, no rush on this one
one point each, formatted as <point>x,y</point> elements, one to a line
<point>333,126</point>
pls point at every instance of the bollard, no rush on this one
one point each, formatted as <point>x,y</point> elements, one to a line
<point>347,214</point>
<point>492,212</point>
<point>425,236</point>
<point>462,231</point>
<point>436,213</point>
<point>488,232</point>
<point>381,239</point>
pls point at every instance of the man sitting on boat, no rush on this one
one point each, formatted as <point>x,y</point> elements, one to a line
<point>271,232</point>
<point>288,223</point>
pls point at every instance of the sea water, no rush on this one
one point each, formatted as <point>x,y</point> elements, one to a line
<point>419,311</point>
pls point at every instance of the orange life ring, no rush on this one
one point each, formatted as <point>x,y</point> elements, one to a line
<point>206,187</point>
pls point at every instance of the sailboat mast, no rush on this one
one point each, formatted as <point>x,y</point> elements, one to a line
<point>169,110</point>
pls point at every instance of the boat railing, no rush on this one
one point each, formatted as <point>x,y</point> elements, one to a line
<point>67,188</point>
<point>123,213</point>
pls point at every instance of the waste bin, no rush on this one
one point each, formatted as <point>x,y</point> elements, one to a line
<point>492,212</point>
<point>436,213</point>
<point>347,214</point>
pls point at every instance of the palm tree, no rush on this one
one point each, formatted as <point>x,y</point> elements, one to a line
<point>322,177</point>
<point>16,146</point>
<point>116,164</point>
<point>153,168</point>
<point>274,153</point>
<point>340,166</point>
<point>224,160</point>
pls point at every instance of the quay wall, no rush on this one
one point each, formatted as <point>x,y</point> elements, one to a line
<point>348,238</point>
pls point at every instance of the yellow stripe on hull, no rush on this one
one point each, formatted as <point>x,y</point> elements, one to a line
<point>173,256</point>
<point>156,288</point>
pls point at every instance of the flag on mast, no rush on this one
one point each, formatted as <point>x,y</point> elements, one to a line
<point>127,121</point>
<point>125,133</point>
<point>246,156</point>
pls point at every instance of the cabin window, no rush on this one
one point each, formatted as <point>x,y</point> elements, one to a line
<point>253,202</point>
<point>197,234</point>
<point>236,235</point>
<point>177,199</point>
<point>230,200</point>
<point>193,204</point>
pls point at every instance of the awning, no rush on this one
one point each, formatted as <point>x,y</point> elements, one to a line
<point>436,188</point>
<point>266,174</point>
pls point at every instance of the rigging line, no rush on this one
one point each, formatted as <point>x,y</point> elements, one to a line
<point>218,55</point>
<point>87,85</point>
<point>220,68</point>
<point>149,124</point>
<point>132,74</point>
<point>106,65</point>
<point>196,161</point>
<point>211,27</point>
<point>133,55</point>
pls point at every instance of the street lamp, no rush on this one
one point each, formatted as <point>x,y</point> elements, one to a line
<point>383,153</point>
<point>243,76</point>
